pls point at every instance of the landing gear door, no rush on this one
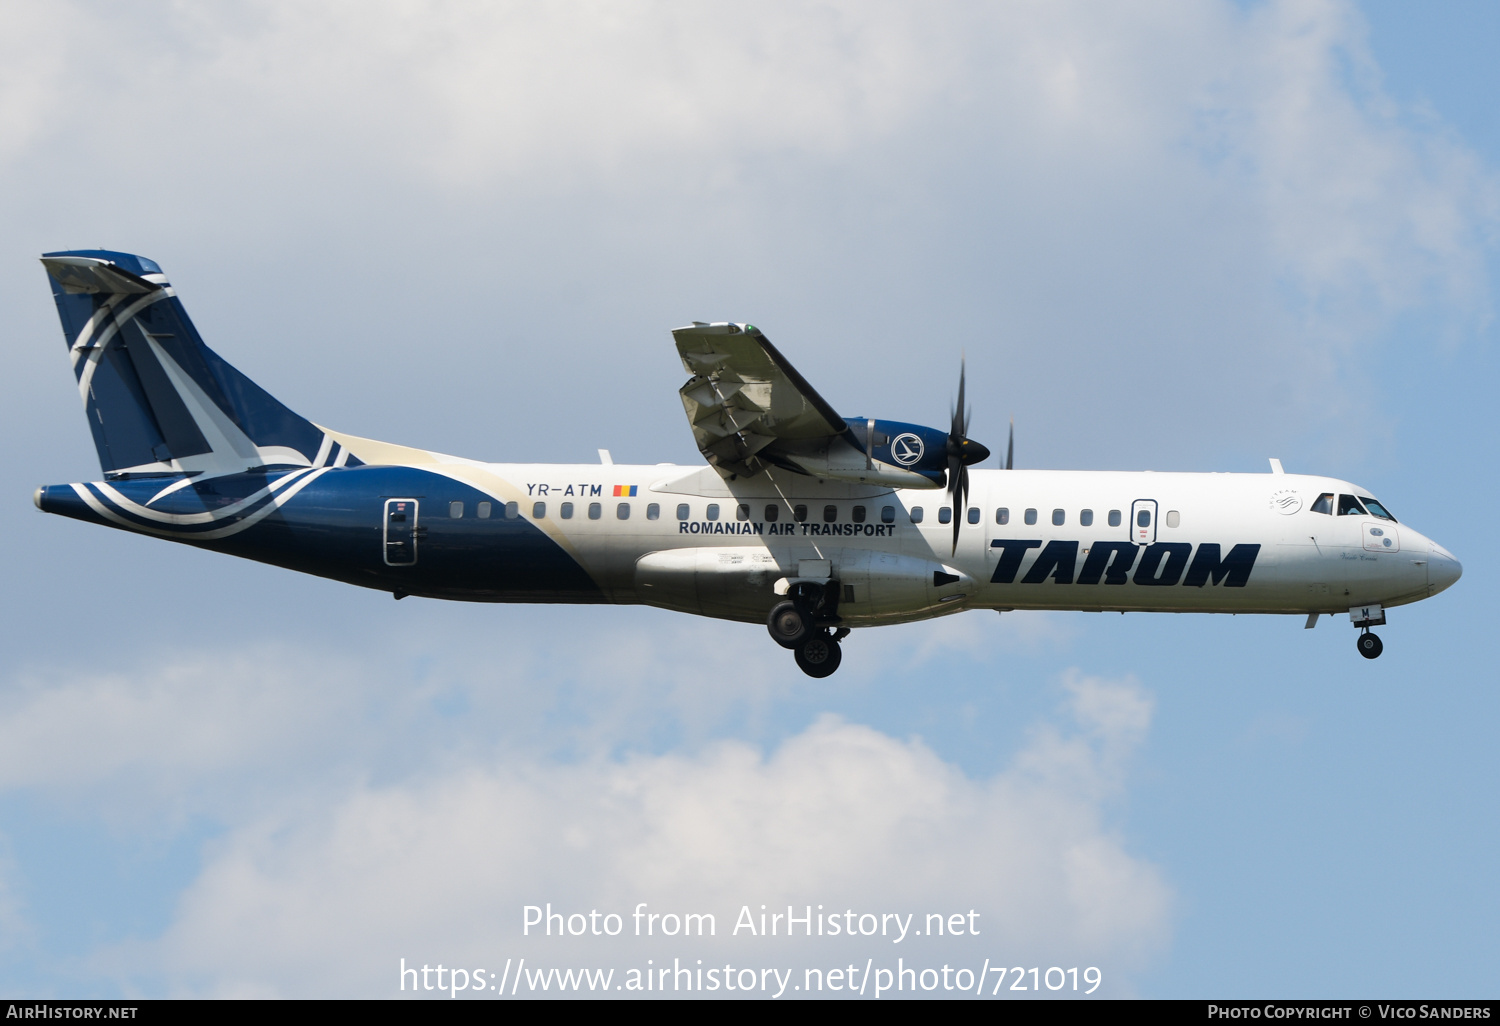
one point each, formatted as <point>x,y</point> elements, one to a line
<point>1143,521</point>
<point>400,532</point>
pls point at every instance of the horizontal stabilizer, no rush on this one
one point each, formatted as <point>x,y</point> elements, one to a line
<point>91,275</point>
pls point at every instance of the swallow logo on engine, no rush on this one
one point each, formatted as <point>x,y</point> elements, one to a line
<point>906,449</point>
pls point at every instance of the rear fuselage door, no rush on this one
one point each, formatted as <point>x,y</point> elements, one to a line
<point>400,532</point>
<point>1143,521</point>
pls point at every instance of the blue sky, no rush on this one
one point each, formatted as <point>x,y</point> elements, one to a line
<point>1180,237</point>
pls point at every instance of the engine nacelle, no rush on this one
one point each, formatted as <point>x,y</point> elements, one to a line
<point>882,452</point>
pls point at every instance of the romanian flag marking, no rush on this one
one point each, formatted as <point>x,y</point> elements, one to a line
<point>625,491</point>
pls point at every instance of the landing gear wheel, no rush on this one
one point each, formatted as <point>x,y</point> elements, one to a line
<point>1369,645</point>
<point>789,624</point>
<point>819,655</point>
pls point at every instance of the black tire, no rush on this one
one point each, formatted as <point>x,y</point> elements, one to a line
<point>819,655</point>
<point>1370,646</point>
<point>788,624</point>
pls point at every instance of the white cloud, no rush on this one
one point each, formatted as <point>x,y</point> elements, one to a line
<point>1361,204</point>
<point>1208,212</point>
<point>323,898</point>
<point>188,715</point>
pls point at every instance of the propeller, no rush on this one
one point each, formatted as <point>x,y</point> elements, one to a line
<point>1010,447</point>
<point>962,451</point>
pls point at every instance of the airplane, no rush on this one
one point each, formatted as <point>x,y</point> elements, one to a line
<point>809,522</point>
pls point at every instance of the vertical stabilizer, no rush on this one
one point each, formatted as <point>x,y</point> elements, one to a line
<point>158,400</point>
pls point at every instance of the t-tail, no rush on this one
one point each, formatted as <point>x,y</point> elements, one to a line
<point>159,401</point>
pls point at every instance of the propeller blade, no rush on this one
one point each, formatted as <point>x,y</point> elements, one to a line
<point>960,499</point>
<point>1010,447</point>
<point>960,415</point>
<point>960,450</point>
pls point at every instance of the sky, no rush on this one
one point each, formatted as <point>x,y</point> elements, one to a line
<point>1171,236</point>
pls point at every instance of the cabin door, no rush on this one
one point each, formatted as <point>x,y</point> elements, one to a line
<point>400,532</point>
<point>1143,521</point>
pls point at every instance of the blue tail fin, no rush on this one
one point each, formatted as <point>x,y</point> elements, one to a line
<point>159,401</point>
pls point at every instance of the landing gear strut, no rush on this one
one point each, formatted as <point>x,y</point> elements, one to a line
<point>794,624</point>
<point>1369,645</point>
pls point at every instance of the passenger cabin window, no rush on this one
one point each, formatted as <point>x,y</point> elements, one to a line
<point>1059,518</point>
<point>945,515</point>
<point>1174,518</point>
<point>683,512</point>
<point>1086,517</point>
<point>512,511</point>
<point>859,514</point>
<point>1376,509</point>
<point>1349,507</point>
<point>538,510</point>
<point>916,514</point>
<point>742,511</point>
<point>713,511</point>
<point>456,510</point>
<point>772,512</point>
<point>830,514</point>
<point>653,511</point>
<point>1030,517</point>
<point>799,513</point>
<point>595,511</point>
<point>622,511</point>
<point>887,514</point>
<point>1143,518</point>
<point>973,514</point>
<point>1114,518</point>
<point>1324,504</point>
<point>483,509</point>
<point>1002,515</point>
<point>565,511</point>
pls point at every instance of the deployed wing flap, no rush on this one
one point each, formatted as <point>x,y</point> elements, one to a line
<point>744,400</point>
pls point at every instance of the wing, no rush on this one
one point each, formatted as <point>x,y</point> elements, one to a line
<point>748,407</point>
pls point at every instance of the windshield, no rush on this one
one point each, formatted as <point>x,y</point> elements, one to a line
<point>1376,509</point>
<point>1349,506</point>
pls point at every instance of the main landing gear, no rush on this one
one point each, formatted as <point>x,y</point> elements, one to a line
<point>819,655</point>
<point>1369,645</point>
<point>795,624</point>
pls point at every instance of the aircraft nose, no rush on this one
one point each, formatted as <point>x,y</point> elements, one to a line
<point>1442,569</point>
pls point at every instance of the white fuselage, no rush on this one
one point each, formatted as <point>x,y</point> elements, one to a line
<point>711,547</point>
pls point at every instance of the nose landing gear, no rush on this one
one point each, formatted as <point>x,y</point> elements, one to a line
<point>1365,617</point>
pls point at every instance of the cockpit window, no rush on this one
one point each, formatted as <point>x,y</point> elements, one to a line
<point>1349,506</point>
<point>1324,504</point>
<point>1376,509</point>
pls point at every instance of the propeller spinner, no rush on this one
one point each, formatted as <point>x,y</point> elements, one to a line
<point>962,452</point>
